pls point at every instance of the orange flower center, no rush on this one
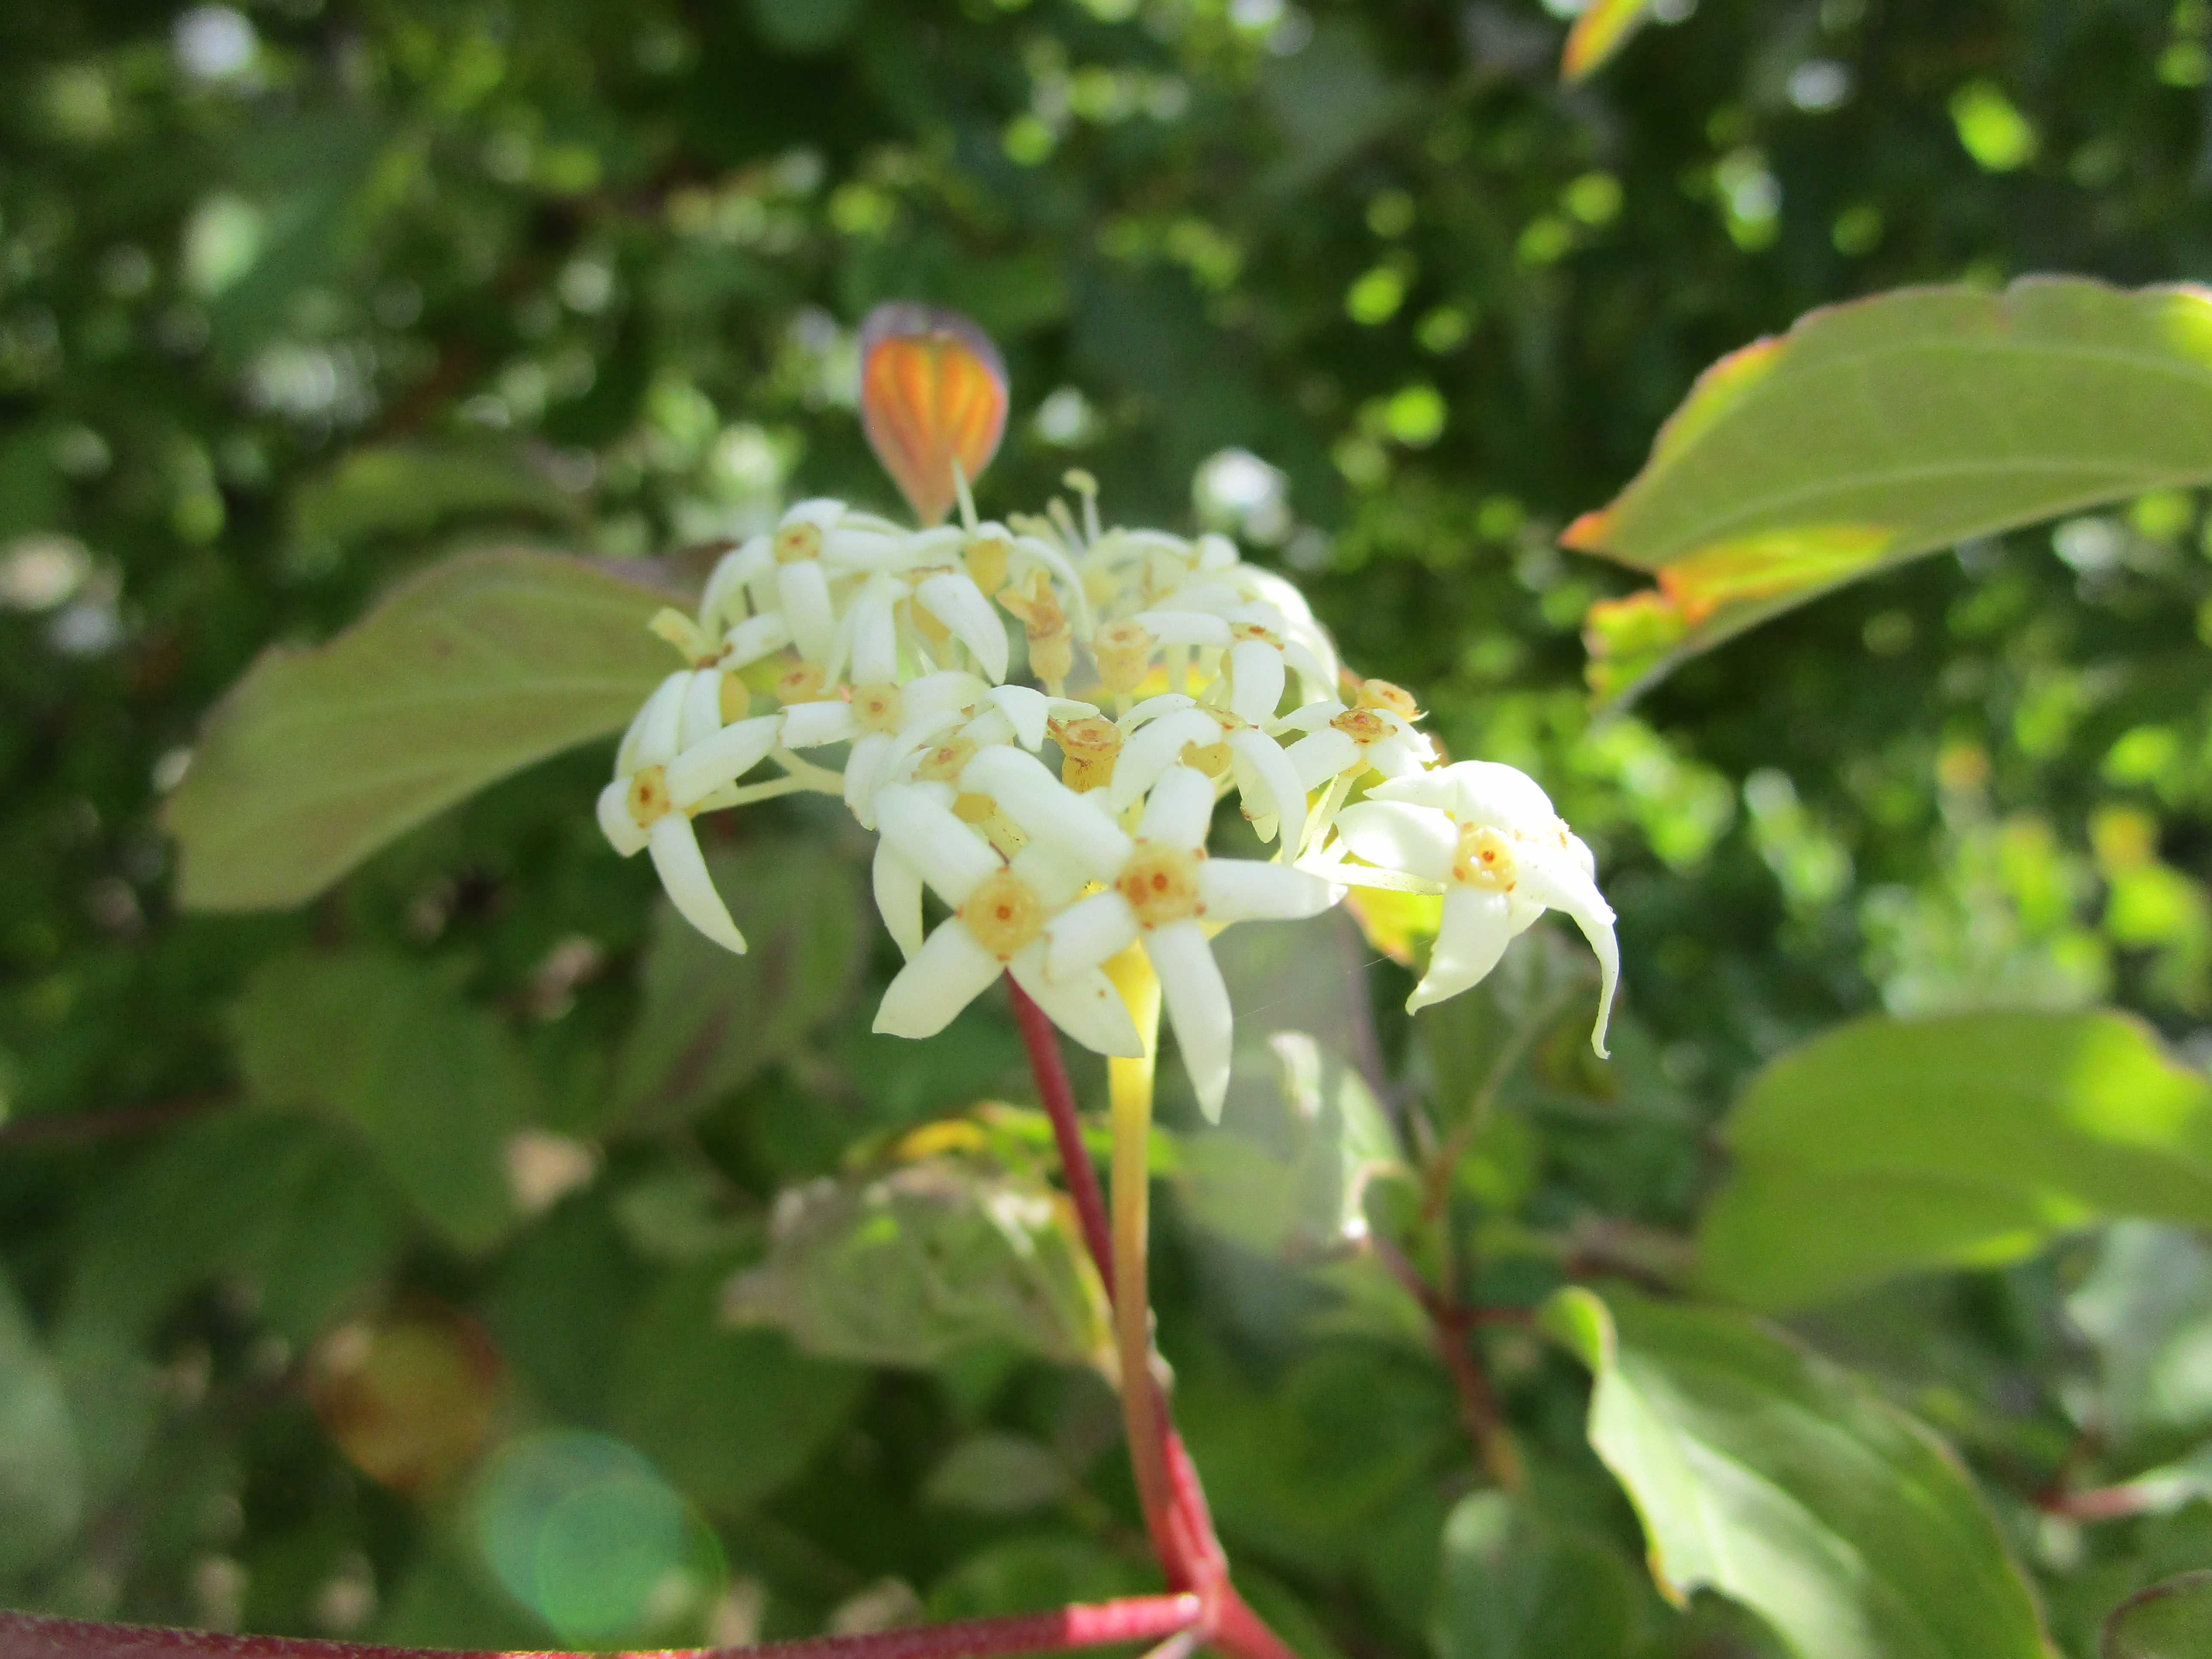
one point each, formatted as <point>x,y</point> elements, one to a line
<point>801,684</point>
<point>942,764</point>
<point>648,799</point>
<point>1361,726</point>
<point>1380,694</point>
<point>876,706</point>
<point>1161,883</point>
<point>1485,860</point>
<point>1004,913</point>
<point>795,542</point>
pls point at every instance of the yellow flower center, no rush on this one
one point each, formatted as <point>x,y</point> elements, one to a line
<point>803,683</point>
<point>1005,914</point>
<point>796,542</point>
<point>648,799</point>
<point>1485,860</point>
<point>1088,748</point>
<point>1396,700</point>
<point>1361,726</point>
<point>1161,883</point>
<point>876,706</point>
<point>942,764</point>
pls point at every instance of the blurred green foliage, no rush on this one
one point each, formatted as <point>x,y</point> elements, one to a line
<point>363,1262</point>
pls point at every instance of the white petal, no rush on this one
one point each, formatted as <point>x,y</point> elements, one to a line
<point>933,694</point>
<point>947,974</point>
<point>898,898</point>
<point>802,590</point>
<point>1475,931</point>
<point>911,742</point>
<point>1027,710</point>
<point>684,873</point>
<point>1087,932</point>
<point>862,768</point>
<point>1197,1003</point>
<point>615,822</point>
<point>1416,841</point>
<point>1049,809</point>
<point>1399,756</point>
<point>725,757</point>
<point>702,709</point>
<point>956,601</point>
<point>1314,678</point>
<point>1152,707</point>
<point>1185,627</point>
<point>820,511</point>
<point>1319,756</point>
<point>875,631</point>
<point>1180,810</point>
<point>1256,676</point>
<point>810,724</point>
<point>661,723</point>
<point>846,547</point>
<point>1085,1005</point>
<point>949,855</point>
<point>1310,717</point>
<point>1154,748</point>
<point>732,572</point>
<point>753,639</point>
<point>1248,889</point>
<point>1556,879</point>
<point>1286,795</point>
<point>626,760</point>
<point>1477,793</point>
<point>1059,880</point>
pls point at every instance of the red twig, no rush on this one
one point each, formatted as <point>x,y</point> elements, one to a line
<point>1086,1625</point>
<point>1451,1326</point>
<point>1043,1042</point>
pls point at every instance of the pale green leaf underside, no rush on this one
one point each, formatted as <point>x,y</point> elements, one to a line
<point>471,671</point>
<point>1911,421</point>
<point>1891,1147</point>
<point>2170,1620</point>
<point>1766,1472</point>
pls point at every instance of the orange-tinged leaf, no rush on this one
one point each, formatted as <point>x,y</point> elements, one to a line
<point>1598,34</point>
<point>932,392</point>
<point>1772,562</point>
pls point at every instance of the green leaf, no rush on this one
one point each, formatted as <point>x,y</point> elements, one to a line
<point>729,1414</point>
<point>1769,1474</point>
<point>1882,429</point>
<point>2172,1620</point>
<point>41,1478</point>
<point>998,1473</point>
<point>466,673</point>
<point>1517,1586</point>
<point>1889,1147</point>
<point>904,1268</point>
<point>1029,1575</point>
<point>710,1020</point>
<point>434,1088</point>
<point>1599,34</point>
<point>406,490</point>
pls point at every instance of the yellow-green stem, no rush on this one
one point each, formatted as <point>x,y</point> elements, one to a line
<point>1129,1093</point>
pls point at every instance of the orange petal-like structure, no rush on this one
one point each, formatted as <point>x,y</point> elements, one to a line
<point>932,392</point>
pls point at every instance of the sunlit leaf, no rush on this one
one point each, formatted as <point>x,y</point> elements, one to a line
<point>1518,1585</point>
<point>41,1478</point>
<point>1598,34</point>
<point>904,1268</point>
<point>710,1020</point>
<point>1766,1472</point>
<point>1886,428</point>
<point>1891,1147</point>
<point>2169,1620</point>
<point>431,1087</point>
<point>468,673</point>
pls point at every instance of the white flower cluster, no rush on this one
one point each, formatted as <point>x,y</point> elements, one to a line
<point>844,631</point>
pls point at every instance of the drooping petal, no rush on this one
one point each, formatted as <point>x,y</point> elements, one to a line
<point>1085,1005</point>
<point>1027,710</point>
<point>1180,810</point>
<point>1048,809</point>
<point>754,638</point>
<point>616,823</point>
<point>1555,878</point>
<point>947,974</point>
<point>898,898</point>
<point>1319,756</point>
<point>862,768</point>
<point>802,591</point>
<point>1154,748</point>
<point>1256,680</point>
<point>725,757</point>
<point>949,855</point>
<point>1197,1003</point>
<point>1087,932</point>
<point>810,724</point>
<point>954,600</point>
<point>1475,931</point>
<point>1248,889</point>
<point>1417,841</point>
<point>660,723</point>
<point>682,870</point>
<point>1286,794</point>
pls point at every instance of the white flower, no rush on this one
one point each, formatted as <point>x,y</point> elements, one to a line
<point>1162,890</point>
<point>877,716</point>
<point>999,909</point>
<point>1488,835</point>
<point>1173,730</point>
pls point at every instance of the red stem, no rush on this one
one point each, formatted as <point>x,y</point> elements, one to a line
<point>1042,1042</point>
<point>1135,1619</point>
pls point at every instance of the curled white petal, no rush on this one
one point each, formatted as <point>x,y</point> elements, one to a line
<point>1046,808</point>
<point>626,760</point>
<point>1180,810</point>
<point>1285,796</point>
<point>1419,841</point>
<point>1197,1003</point>
<point>1085,1005</point>
<point>1476,793</point>
<point>1558,880</point>
<point>1087,932</point>
<point>810,724</point>
<point>616,823</point>
<point>660,725</point>
<point>682,870</point>
<point>947,974</point>
<point>724,758</point>
<point>954,600</point>
<point>1475,930</point>
<point>754,638</point>
<point>1310,717</point>
<point>1247,889</point>
<point>1152,708</point>
<point>802,590</point>
<point>1154,748</point>
<point>897,886</point>
<point>921,827</point>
